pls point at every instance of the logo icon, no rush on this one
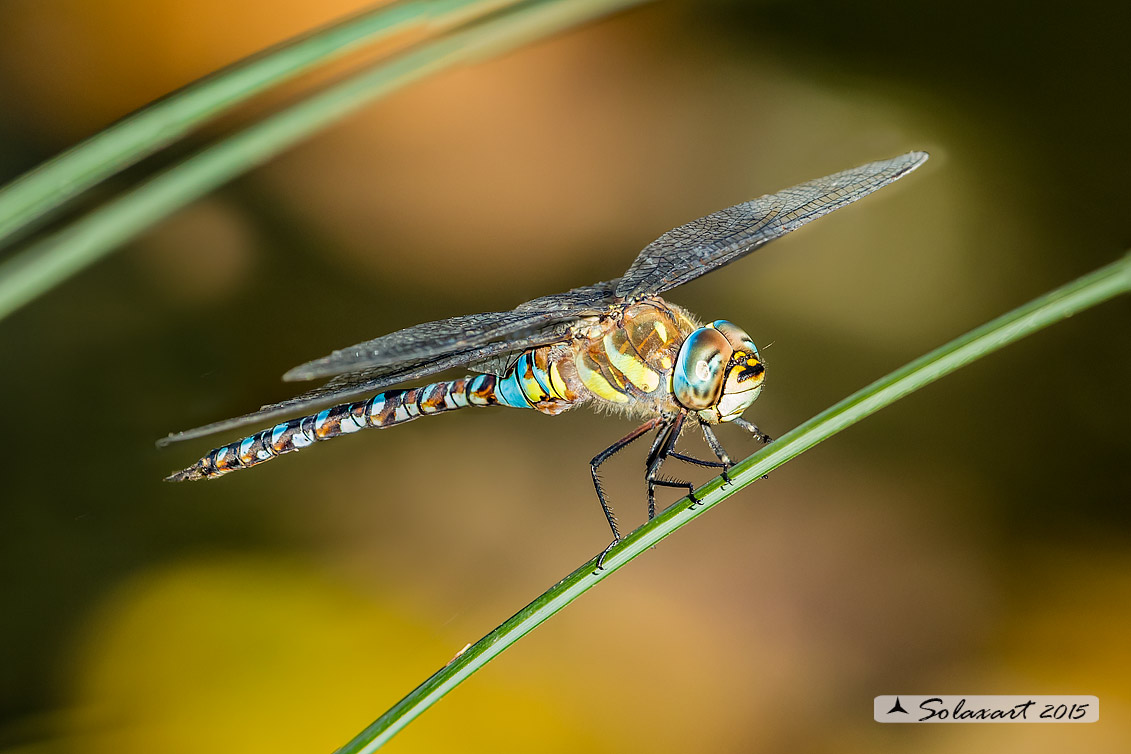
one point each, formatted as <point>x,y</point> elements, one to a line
<point>898,708</point>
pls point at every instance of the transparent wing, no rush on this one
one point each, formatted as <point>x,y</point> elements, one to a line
<point>483,340</point>
<point>694,249</point>
<point>424,350</point>
<point>370,381</point>
<point>433,340</point>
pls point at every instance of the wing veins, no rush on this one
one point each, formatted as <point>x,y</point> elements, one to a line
<point>695,248</point>
<point>355,384</point>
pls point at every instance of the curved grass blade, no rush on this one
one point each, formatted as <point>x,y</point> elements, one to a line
<point>1085,292</point>
<point>46,263</point>
<point>34,194</point>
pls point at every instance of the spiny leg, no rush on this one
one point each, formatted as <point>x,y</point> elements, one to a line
<point>661,437</point>
<point>718,449</point>
<point>759,435</point>
<point>705,464</point>
<point>723,463</point>
<point>660,453</point>
<point>599,459</point>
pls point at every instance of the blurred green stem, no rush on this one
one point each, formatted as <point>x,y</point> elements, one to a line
<point>63,177</point>
<point>48,262</point>
<point>1085,292</point>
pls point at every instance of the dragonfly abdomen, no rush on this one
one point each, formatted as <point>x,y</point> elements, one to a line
<point>532,381</point>
<point>382,410</point>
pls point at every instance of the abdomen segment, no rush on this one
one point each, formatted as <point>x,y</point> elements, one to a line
<point>526,384</point>
<point>383,410</point>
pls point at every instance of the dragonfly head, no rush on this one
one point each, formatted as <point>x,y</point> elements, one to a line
<point>718,372</point>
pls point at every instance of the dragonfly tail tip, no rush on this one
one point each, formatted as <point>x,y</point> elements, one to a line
<point>191,474</point>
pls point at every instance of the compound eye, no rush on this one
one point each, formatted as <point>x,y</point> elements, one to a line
<point>738,338</point>
<point>700,368</point>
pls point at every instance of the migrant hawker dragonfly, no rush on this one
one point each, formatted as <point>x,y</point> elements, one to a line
<point>615,344</point>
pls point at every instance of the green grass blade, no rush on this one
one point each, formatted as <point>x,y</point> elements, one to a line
<point>136,136</point>
<point>1085,292</point>
<point>48,262</point>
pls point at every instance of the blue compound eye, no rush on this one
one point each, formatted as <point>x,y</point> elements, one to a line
<point>738,338</point>
<point>700,368</point>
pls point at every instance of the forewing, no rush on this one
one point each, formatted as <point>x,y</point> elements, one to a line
<point>694,249</point>
<point>424,350</point>
<point>588,299</point>
<point>420,343</point>
<point>349,386</point>
<point>433,340</point>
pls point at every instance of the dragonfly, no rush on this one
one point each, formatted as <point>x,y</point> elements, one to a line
<point>613,345</point>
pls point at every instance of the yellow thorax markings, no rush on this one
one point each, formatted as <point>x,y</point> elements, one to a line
<point>623,357</point>
<point>589,370</point>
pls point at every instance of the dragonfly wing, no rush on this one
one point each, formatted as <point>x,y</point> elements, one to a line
<point>433,340</point>
<point>424,350</point>
<point>345,387</point>
<point>588,299</point>
<point>694,249</point>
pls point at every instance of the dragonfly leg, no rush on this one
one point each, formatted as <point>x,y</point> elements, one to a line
<point>718,449</point>
<point>595,464</point>
<point>654,483</point>
<point>759,435</point>
<point>724,461</point>
<point>661,450</point>
<point>705,464</point>
<point>661,436</point>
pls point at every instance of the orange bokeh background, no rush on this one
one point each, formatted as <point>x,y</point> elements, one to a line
<point>973,538</point>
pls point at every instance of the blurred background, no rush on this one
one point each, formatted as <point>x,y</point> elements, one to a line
<point>972,538</point>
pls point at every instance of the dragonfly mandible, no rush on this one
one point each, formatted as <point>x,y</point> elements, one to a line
<point>616,344</point>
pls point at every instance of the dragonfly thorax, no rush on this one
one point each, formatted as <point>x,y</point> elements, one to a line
<point>718,372</point>
<point>624,361</point>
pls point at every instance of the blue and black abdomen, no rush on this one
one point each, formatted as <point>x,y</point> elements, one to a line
<point>528,383</point>
<point>383,410</point>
